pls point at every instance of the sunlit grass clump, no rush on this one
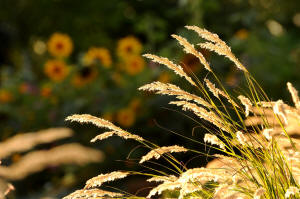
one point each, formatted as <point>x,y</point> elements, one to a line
<point>258,156</point>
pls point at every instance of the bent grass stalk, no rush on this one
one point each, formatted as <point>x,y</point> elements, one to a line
<point>253,165</point>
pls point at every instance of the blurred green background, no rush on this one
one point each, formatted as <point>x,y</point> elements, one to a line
<point>60,57</point>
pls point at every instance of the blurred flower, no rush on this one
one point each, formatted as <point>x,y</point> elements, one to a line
<point>108,116</point>
<point>126,117</point>
<point>84,76</point>
<point>296,19</point>
<point>134,64</point>
<point>46,91</point>
<point>164,77</point>
<point>60,45</point>
<point>56,70</point>
<point>242,34</point>
<point>97,54</point>
<point>5,96</point>
<point>39,47</point>
<point>191,63</point>
<point>135,104</point>
<point>117,78</point>
<point>274,27</point>
<point>128,46</point>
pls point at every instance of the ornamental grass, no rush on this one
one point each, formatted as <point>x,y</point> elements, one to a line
<point>255,139</point>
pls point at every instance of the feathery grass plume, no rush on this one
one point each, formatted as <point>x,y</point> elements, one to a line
<point>38,160</point>
<point>260,157</point>
<point>291,191</point>
<point>217,45</point>
<point>99,122</point>
<point>279,110</point>
<point>163,187</point>
<point>92,193</point>
<point>170,178</point>
<point>216,92</point>
<point>176,68</point>
<point>170,89</point>
<point>100,179</point>
<point>259,193</point>
<point>268,133</point>
<point>193,179</point>
<point>247,103</point>
<point>213,140</point>
<point>241,138</point>
<point>190,49</point>
<point>26,141</point>
<point>122,134</point>
<point>157,153</point>
<point>203,114</point>
<point>294,94</point>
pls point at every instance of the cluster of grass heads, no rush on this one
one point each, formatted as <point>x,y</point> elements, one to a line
<point>257,154</point>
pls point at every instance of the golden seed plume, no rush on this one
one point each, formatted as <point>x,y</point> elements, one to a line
<point>102,178</point>
<point>188,188</point>
<point>92,194</point>
<point>294,94</point>
<point>170,178</point>
<point>241,138</point>
<point>280,110</point>
<point>176,68</point>
<point>220,190</point>
<point>38,160</point>
<point>247,103</point>
<point>291,191</point>
<point>124,135</point>
<point>209,116</point>
<point>203,175</point>
<point>170,89</point>
<point>26,141</point>
<point>164,186</point>
<point>268,133</point>
<point>259,193</point>
<point>216,92</point>
<point>214,140</point>
<point>99,122</point>
<point>190,49</point>
<point>158,152</point>
<point>217,45</point>
<point>205,34</point>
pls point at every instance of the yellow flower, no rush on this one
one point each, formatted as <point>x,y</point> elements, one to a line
<point>60,45</point>
<point>97,54</point>
<point>118,79</point>
<point>108,116</point>
<point>5,96</point>
<point>135,104</point>
<point>242,34</point>
<point>84,76</point>
<point>128,46</point>
<point>126,117</point>
<point>56,70</point>
<point>46,91</point>
<point>164,77</point>
<point>134,64</point>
